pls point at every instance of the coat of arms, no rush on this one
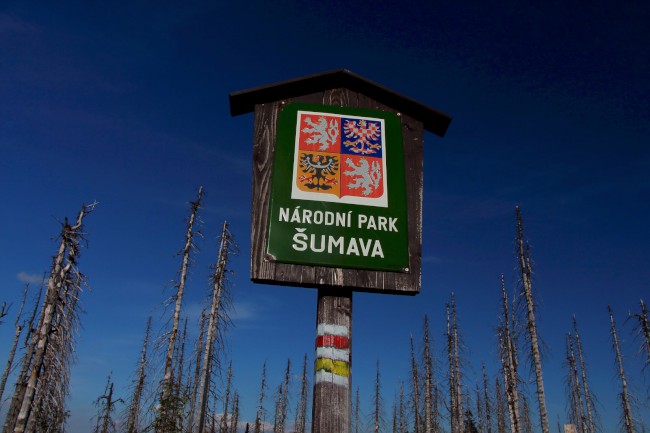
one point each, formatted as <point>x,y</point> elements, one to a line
<point>340,158</point>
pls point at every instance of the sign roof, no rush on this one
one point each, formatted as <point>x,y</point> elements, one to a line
<point>244,101</point>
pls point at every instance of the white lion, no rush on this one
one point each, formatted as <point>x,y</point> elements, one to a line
<point>366,177</point>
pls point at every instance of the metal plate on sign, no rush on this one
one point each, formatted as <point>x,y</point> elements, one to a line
<point>338,195</point>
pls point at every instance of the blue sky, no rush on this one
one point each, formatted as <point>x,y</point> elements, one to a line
<point>127,104</point>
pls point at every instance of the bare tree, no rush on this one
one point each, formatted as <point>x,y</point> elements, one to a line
<point>134,406</point>
<point>234,419</point>
<point>377,403</point>
<point>18,326</point>
<point>626,405</point>
<point>226,401</point>
<point>52,348</point>
<point>259,419</point>
<point>480,417</point>
<point>168,407</point>
<point>643,329</point>
<point>574,388</point>
<point>356,412</point>
<point>486,399</point>
<point>455,381</point>
<point>21,382</point>
<point>415,395</point>
<point>526,422</point>
<point>106,406</point>
<point>589,400</point>
<point>301,410</point>
<point>284,400</point>
<point>218,320</point>
<point>501,407</point>
<point>531,325</point>
<point>402,426</point>
<point>194,388</point>
<point>428,379</point>
<point>509,362</point>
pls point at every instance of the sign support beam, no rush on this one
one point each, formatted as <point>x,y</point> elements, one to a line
<point>333,366</point>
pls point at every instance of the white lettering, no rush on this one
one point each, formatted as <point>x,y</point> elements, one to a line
<point>353,248</point>
<point>381,222</point>
<point>361,220</point>
<point>295,217</point>
<point>300,240</point>
<point>284,214</point>
<point>335,242</point>
<point>312,243</point>
<point>376,250</point>
<point>371,223</point>
<point>365,248</point>
<point>306,216</point>
<point>391,224</point>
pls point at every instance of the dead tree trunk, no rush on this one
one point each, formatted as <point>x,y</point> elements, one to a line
<point>165,420</point>
<point>480,419</point>
<point>401,411</point>
<point>106,405</point>
<point>428,379</point>
<point>628,419</point>
<point>133,410</point>
<point>234,419</point>
<point>18,326</point>
<point>575,388</point>
<point>197,372</point>
<point>21,384</point>
<point>486,398</point>
<point>377,415</point>
<point>457,367</point>
<point>284,399</point>
<point>415,380</point>
<point>259,419</point>
<point>356,412</point>
<point>63,277</point>
<point>301,409</point>
<point>501,407</point>
<point>453,391</point>
<point>524,262</point>
<point>509,363</point>
<point>226,402</point>
<point>643,328</point>
<point>589,404</point>
<point>216,317</point>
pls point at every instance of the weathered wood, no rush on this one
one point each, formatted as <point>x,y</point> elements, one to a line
<point>244,101</point>
<point>265,271</point>
<point>333,372</point>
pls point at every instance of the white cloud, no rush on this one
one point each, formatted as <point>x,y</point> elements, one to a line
<point>24,277</point>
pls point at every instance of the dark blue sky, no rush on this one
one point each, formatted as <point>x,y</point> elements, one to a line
<point>127,104</point>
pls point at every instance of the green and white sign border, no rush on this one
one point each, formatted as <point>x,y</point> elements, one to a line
<point>332,233</point>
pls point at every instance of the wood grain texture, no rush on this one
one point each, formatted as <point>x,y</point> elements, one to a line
<point>331,407</point>
<point>269,272</point>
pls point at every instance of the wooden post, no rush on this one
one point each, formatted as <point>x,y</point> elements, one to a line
<point>333,366</point>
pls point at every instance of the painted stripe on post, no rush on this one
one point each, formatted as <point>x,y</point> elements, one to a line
<point>333,353</point>
<point>340,368</point>
<point>326,377</point>
<point>327,329</point>
<point>337,341</point>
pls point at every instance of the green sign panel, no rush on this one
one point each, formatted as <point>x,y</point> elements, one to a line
<point>338,189</point>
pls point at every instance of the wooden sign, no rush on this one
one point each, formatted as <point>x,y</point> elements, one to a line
<point>337,205</point>
<point>337,183</point>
